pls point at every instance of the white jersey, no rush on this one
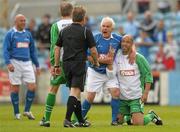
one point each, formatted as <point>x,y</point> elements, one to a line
<point>128,76</point>
<point>62,24</point>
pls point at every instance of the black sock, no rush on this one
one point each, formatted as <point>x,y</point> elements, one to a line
<point>78,112</point>
<point>71,105</point>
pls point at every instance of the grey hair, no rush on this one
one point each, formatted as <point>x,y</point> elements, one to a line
<point>108,19</point>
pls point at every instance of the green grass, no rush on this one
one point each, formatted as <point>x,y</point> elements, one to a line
<point>99,116</point>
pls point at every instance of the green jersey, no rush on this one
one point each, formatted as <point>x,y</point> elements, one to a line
<point>55,30</point>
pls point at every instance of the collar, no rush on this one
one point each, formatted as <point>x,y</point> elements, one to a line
<point>109,37</point>
<point>15,30</point>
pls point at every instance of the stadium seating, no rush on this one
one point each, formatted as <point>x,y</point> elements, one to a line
<point>171,20</point>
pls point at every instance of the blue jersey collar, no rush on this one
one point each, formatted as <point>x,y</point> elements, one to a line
<point>15,30</point>
<point>109,37</point>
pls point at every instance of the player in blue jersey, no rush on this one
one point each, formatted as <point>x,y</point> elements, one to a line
<point>19,53</point>
<point>96,76</point>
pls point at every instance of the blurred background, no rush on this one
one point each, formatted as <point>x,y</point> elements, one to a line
<point>154,24</point>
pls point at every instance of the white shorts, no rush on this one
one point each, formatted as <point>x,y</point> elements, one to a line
<point>23,72</point>
<point>96,82</point>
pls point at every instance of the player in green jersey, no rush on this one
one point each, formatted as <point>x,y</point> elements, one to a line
<point>135,82</point>
<point>66,11</point>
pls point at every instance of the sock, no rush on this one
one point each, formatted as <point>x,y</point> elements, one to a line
<point>71,105</point>
<point>115,108</point>
<point>29,99</point>
<point>148,118</point>
<point>85,108</point>
<point>127,118</point>
<point>15,102</point>
<point>50,101</point>
<point>78,111</point>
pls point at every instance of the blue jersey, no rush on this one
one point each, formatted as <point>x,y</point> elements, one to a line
<point>102,45</point>
<point>20,46</point>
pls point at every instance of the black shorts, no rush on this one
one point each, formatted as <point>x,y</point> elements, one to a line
<point>75,73</point>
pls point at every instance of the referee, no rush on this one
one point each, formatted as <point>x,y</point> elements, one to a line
<point>75,40</point>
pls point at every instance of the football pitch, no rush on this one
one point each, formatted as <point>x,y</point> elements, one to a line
<point>99,116</point>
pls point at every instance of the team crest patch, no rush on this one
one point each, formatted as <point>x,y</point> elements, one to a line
<point>127,72</point>
<point>22,45</point>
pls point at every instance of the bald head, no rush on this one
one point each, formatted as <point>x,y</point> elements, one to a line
<point>20,22</point>
<point>126,44</point>
<point>128,37</point>
<point>107,26</point>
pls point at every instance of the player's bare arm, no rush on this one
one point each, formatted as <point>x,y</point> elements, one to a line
<point>57,69</point>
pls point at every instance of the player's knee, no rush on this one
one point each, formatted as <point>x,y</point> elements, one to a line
<point>115,93</point>
<point>15,88</point>
<point>32,86</point>
<point>90,97</point>
<point>137,121</point>
<point>120,118</point>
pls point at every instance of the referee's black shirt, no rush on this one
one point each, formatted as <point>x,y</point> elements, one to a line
<point>75,40</point>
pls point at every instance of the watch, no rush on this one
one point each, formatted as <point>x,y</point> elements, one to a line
<point>56,66</point>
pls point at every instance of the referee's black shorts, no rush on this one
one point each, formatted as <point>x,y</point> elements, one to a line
<point>75,73</point>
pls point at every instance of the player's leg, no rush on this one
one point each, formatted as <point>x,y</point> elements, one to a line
<point>115,92</point>
<point>51,98</point>
<point>138,118</point>
<point>86,105</point>
<point>137,109</point>
<point>29,100</point>
<point>15,100</point>
<point>94,83</point>
<point>28,77</point>
<point>153,117</point>
<point>72,103</point>
<point>115,102</point>
<point>15,80</point>
<point>124,111</point>
<point>75,78</point>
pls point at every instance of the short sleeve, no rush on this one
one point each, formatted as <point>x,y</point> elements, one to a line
<point>60,39</point>
<point>90,39</point>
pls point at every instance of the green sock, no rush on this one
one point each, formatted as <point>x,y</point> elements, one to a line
<point>50,101</point>
<point>127,118</point>
<point>148,118</point>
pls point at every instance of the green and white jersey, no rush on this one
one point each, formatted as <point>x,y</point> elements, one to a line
<point>55,30</point>
<point>131,77</point>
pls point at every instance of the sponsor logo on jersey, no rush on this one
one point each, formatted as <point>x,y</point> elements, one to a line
<point>127,72</point>
<point>102,56</point>
<point>65,25</point>
<point>22,45</point>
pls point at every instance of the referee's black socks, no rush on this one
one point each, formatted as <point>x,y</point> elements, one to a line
<point>74,105</point>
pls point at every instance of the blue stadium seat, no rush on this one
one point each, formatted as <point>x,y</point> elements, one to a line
<point>178,18</point>
<point>116,18</point>
<point>170,16</point>
<point>139,17</point>
<point>178,62</point>
<point>158,16</point>
<point>123,18</point>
